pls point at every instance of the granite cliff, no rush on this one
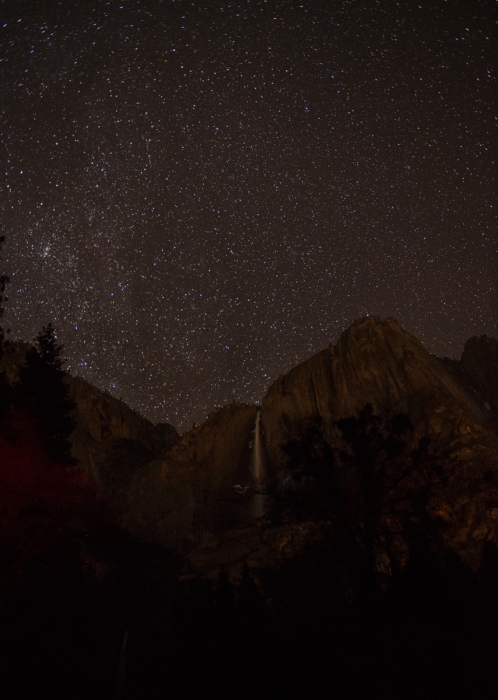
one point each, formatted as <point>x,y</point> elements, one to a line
<point>379,363</point>
<point>477,373</point>
<point>376,362</point>
<point>109,437</point>
<point>191,493</point>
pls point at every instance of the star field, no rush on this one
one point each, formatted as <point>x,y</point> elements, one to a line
<point>200,195</point>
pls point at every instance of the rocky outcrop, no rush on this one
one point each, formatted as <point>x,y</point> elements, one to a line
<point>195,491</point>
<point>12,359</point>
<point>110,439</point>
<point>374,362</point>
<point>477,373</point>
<point>480,362</point>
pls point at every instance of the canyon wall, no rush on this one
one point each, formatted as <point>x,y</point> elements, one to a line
<point>196,490</point>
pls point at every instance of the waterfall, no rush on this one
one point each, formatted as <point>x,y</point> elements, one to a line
<point>257,508</point>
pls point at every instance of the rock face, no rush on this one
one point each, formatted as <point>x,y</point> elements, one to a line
<point>195,491</point>
<point>477,373</point>
<point>109,437</point>
<point>14,356</point>
<point>374,362</point>
<point>480,362</point>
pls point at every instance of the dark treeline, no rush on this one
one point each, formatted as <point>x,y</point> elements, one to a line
<point>41,395</point>
<point>374,606</point>
<point>136,635</point>
<point>422,637</point>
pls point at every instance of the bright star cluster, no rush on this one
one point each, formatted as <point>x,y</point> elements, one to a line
<point>200,195</point>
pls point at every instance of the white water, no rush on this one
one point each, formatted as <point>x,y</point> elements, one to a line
<point>258,470</point>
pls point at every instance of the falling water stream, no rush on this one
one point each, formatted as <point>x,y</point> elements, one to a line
<point>258,470</point>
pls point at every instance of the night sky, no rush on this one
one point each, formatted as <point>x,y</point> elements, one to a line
<point>200,195</point>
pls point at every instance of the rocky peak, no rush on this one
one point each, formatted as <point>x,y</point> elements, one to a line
<point>375,362</point>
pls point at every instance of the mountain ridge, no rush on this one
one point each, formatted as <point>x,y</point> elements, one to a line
<point>188,492</point>
<point>374,363</point>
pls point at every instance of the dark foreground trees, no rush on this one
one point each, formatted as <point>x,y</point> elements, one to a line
<point>4,384</point>
<point>371,605</point>
<point>42,393</point>
<point>71,582</point>
<point>376,486</point>
<point>421,637</point>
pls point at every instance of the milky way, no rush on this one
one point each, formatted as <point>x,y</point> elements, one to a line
<point>200,195</point>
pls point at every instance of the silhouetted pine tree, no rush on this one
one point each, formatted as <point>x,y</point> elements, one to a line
<point>224,600</point>
<point>4,384</point>
<point>43,393</point>
<point>249,601</point>
<point>3,286</point>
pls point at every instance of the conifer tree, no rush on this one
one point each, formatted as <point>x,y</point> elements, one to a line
<point>43,392</point>
<point>3,286</point>
<point>48,349</point>
<point>4,384</point>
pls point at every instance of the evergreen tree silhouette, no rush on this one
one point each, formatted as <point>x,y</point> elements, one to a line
<point>224,599</point>
<point>43,393</point>
<point>3,286</point>
<point>4,384</point>
<point>249,601</point>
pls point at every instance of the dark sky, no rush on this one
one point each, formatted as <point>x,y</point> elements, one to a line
<point>199,195</point>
